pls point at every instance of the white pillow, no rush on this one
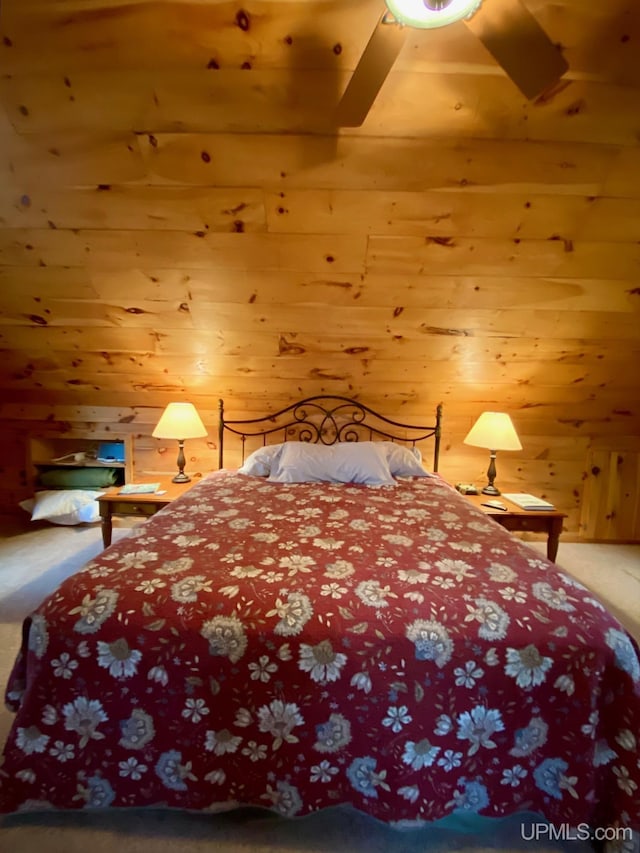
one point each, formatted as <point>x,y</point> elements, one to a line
<point>350,462</point>
<point>404,461</point>
<point>258,463</point>
<point>66,506</point>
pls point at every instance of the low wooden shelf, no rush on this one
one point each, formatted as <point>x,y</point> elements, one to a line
<point>55,452</point>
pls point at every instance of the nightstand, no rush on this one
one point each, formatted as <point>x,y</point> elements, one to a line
<point>113,503</point>
<point>517,519</point>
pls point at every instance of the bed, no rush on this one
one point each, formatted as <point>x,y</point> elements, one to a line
<point>297,644</point>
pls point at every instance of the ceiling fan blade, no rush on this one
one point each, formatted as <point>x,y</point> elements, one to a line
<point>370,73</point>
<point>519,44</point>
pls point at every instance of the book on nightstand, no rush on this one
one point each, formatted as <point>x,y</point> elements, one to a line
<point>530,502</point>
<point>139,489</point>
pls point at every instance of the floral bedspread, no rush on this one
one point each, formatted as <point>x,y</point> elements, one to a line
<point>301,646</point>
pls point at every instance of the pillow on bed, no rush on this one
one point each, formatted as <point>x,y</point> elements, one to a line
<point>258,463</point>
<point>404,461</point>
<point>67,506</point>
<point>351,462</point>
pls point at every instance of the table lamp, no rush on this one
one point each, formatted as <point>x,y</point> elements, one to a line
<point>180,421</point>
<point>493,431</point>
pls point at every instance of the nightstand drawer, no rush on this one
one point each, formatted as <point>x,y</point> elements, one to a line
<point>130,508</point>
<point>529,523</point>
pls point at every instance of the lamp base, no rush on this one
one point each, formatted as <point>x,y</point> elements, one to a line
<point>490,490</point>
<point>181,477</point>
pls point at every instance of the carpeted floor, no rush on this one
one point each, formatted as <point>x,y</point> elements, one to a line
<point>35,558</point>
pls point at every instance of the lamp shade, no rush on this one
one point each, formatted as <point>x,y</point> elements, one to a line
<point>180,420</point>
<point>494,431</point>
<point>431,13</point>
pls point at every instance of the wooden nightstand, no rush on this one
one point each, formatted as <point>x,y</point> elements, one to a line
<point>516,519</point>
<point>113,503</point>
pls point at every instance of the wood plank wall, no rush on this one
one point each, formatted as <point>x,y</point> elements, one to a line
<point>181,219</point>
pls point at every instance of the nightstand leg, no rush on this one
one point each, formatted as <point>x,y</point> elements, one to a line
<point>553,540</point>
<point>107,524</point>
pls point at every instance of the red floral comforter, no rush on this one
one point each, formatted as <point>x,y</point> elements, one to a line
<point>300,646</point>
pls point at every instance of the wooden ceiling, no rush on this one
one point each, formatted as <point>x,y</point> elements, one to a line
<point>179,215</point>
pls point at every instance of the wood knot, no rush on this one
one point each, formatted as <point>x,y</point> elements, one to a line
<point>242,21</point>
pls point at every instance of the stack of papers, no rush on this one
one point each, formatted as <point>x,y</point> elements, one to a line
<point>531,502</point>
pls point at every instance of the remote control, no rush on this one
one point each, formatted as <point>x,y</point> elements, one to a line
<point>495,505</point>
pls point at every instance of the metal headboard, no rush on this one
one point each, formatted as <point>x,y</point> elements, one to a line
<point>327,419</point>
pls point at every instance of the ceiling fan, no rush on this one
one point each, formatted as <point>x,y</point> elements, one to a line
<point>505,27</point>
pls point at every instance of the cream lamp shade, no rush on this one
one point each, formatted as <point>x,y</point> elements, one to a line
<point>180,421</point>
<point>493,431</point>
<point>431,13</point>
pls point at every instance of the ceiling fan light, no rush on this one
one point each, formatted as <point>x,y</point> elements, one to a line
<point>414,13</point>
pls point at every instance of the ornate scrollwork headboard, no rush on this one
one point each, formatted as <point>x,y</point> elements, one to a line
<point>326,419</point>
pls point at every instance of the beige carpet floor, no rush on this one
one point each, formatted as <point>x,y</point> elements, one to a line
<point>35,558</point>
